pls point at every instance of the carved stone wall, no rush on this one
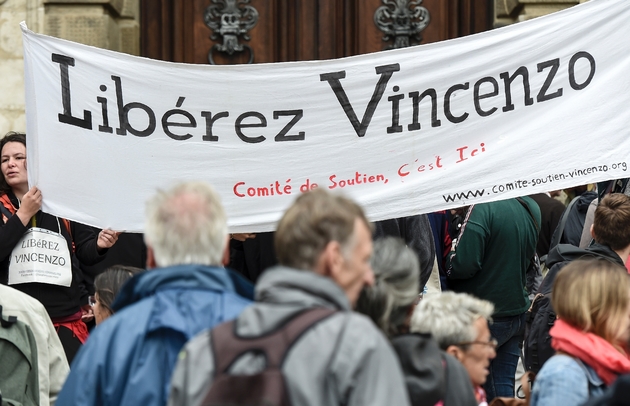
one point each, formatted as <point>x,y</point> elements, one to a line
<point>109,24</point>
<point>512,11</point>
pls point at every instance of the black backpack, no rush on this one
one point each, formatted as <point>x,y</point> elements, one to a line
<point>541,315</point>
<point>266,388</point>
<point>539,320</point>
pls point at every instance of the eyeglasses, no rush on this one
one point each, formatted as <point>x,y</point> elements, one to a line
<point>493,343</point>
<point>91,300</point>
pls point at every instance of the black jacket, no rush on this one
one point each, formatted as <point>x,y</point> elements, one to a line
<point>562,254</point>
<point>432,375</point>
<point>59,301</point>
<point>417,234</point>
<point>550,214</point>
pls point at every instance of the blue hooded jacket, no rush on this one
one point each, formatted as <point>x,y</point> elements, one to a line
<point>129,358</point>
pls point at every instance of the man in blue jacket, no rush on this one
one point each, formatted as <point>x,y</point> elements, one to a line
<point>129,358</point>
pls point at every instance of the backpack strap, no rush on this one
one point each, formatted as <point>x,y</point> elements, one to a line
<point>8,322</point>
<point>557,238</point>
<point>533,272</point>
<point>524,204</point>
<point>227,346</point>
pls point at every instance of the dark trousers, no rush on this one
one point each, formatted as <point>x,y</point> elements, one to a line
<point>509,333</point>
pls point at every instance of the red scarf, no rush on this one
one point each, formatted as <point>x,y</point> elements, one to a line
<point>596,352</point>
<point>74,324</point>
<point>6,202</point>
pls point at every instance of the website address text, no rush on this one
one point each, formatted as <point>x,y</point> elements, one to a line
<point>525,183</point>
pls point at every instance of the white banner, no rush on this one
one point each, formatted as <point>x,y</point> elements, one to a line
<point>536,106</point>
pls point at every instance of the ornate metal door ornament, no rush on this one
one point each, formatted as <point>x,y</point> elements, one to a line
<point>230,19</point>
<point>403,20</point>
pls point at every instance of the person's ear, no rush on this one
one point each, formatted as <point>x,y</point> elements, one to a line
<point>150,258</point>
<point>329,262</point>
<point>455,351</point>
<point>226,253</point>
<point>593,233</point>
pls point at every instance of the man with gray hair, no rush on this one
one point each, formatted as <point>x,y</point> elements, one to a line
<point>459,323</point>
<point>323,243</point>
<point>129,358</point>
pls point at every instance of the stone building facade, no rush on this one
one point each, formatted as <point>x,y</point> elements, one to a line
<point>512,11</point>
<point>109,24</point>
<point>115,25</point>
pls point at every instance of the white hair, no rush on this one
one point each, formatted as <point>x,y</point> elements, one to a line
<point>186,225</point>
<point>450,317</point>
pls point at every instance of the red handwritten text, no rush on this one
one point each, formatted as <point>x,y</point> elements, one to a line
<point>405,170</point>
<point>274,189</point>
<point>464,155</point>
<point>358,179</point>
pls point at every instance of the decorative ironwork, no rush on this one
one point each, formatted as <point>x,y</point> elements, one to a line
<point>230,19</point>
<point>403,20</point>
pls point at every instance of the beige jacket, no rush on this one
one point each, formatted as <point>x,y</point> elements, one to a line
<point>52,363</point>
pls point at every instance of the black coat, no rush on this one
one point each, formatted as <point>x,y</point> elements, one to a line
<point>432,375</point>
<point>59,301</point>
<point>562,254</point>
<point>550,214</point>
<point>417,234</point>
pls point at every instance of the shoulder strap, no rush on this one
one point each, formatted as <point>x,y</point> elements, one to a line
<point>524,204</point>
<point>563,222</point>
<point>8,322</point>
<point>227,346</point>
<point>534,259</point>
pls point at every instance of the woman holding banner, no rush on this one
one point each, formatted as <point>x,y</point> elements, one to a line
<point>38,251</point>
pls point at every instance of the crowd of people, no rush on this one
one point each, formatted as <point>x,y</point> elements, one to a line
<point>423,310</point>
